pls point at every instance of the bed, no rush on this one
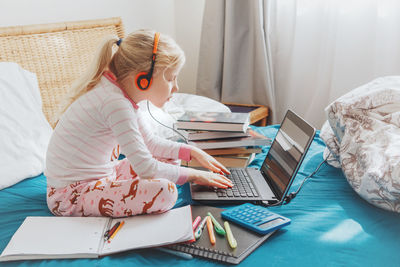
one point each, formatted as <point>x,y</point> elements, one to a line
<point>331,225</point>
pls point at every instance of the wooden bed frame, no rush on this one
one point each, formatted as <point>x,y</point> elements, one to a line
<point>57,53</point>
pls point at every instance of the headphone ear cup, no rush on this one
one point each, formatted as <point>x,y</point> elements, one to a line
<point>143,81</point>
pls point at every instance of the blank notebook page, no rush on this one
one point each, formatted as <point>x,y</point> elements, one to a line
<point>152,230</point>
<point>57,236</point>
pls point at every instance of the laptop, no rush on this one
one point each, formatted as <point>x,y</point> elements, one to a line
<point>269,184</point>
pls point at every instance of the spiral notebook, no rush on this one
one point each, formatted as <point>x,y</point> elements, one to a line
<point>247,241</point>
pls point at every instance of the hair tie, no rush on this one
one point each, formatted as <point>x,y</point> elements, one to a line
<point>119,41</point>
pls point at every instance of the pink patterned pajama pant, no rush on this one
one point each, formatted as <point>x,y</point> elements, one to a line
<point>125,195</point>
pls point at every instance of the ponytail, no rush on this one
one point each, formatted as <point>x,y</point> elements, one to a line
<point>133,56</point>
<point>93,75</point>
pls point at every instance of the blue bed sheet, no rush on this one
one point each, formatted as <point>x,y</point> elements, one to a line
<point>331,225</point>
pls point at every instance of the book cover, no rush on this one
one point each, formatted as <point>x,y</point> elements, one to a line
<point>233,151</point>
<point>83,237</point>
<point>193,135</point>
<point>213,121</point>
<point>255,139</point>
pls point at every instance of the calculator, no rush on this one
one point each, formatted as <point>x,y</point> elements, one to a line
<point>256,218</point>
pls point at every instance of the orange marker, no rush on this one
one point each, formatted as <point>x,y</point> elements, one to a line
<point>116,231</point>
<point>210,230</point>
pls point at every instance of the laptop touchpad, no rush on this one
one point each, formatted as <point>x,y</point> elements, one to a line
<point>201,188</point>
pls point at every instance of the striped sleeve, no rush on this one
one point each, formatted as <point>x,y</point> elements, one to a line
<point>121,118</point>
<point>161,147</point>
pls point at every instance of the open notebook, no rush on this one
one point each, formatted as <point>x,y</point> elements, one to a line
<point>83,237</point>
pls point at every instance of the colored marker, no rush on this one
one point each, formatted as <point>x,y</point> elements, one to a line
<point>210,230</point>
<point>218,228</point>
<point>116,231</point>
<point>196,222</point>
<point>231,239</point>
<point>199,229</point>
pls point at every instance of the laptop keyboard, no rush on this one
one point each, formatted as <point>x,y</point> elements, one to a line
<point>242,185</point>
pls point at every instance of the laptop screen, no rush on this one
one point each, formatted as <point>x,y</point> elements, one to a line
<point>286,153</point>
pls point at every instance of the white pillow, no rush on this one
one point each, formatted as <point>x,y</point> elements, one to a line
<point>24,130</point>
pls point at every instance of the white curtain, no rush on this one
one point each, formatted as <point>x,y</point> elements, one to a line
<point>323,49</point>
<point>320,50</point>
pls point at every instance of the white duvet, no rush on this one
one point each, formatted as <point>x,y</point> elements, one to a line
<point>363,135</point>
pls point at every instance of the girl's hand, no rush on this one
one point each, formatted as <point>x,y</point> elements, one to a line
<point>207,161</point>
<point>208,179</point>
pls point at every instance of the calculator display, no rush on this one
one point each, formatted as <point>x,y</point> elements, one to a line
<point>270,223</point>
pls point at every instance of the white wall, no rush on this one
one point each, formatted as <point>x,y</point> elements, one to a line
<point>180,19</point>
<point>188,22</point>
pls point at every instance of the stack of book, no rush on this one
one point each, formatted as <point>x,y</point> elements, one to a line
<point>224,135</point>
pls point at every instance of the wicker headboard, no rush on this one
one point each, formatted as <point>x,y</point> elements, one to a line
<point>57,53</point>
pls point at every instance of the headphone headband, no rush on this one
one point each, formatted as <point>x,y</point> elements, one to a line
<point>156,39</point>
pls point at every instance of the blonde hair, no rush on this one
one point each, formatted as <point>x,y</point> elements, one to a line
<point>133,55</point>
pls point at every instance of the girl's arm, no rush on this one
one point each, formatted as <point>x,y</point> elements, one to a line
<point>161,147</point>
<point>121,118</point>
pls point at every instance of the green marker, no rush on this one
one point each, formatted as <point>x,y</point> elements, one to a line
<point>218,228</point>
<point>231,240</point>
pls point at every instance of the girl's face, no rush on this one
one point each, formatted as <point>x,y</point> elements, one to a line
<point>164,84</point>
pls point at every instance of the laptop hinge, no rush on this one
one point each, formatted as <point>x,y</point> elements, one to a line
<point>270,185</point>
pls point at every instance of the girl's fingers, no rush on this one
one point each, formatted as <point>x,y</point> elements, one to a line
<point>219,185</point>
<point>225,170</point>
<point>226,181</point>
<point>214,168</point>
<point>221,167</point>
<point>211,166</point>
<point>218,181</point>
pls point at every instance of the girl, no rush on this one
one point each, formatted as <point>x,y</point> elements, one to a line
<point>84,175</point>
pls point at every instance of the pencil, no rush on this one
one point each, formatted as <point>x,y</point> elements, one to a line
<point>116,231</point>
<point>111,231</point>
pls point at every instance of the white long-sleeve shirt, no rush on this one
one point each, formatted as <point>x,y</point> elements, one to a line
<point>82,143</point>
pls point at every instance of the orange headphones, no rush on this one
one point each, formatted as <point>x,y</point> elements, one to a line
<point>143,79</point>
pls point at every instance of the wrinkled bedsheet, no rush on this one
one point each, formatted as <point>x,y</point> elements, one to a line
<point>362,135</point>
<point>331,225</point>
